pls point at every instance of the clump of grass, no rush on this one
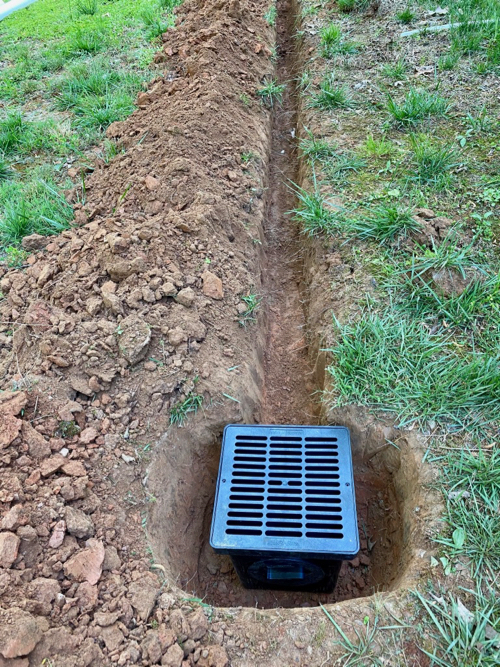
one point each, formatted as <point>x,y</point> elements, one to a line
<point>461,636</point>
<point>15,257</point>
<point>33,206</point>
<point>384,223</point>
<point>417,106</point>
<point>362,650</point>
<point>314,214</point>
<point>317,149</point>
<point>333,44</point>
<point>87,7</point>
<point>397,71</point>
<point>154,22</point>
<point>377,147</point>
<point>271,93</point>
<point>433,161</point>
<point>406,16</point>
<point>252,303</point>
<point>23,136</point>
<point>448,61</point>
<point>270,15</point>
<point>392,363</point>
<point>331,96</point>
<point>338,169</point>
<point>348,6</point>
<point>191,404</point>
<point>447,255</point>
<point>98,112</point>
<point>85,41</point>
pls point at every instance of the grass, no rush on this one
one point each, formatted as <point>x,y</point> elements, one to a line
<point>417,106</point>
<point>377,147</point>
<point>384,223</point>
<point>462,636</point>
<point>397,71</point>
<point>89,64</point>
<point>271,93</point>
<point>406,16</point>
<point>331,96</point>
<point>433,161</point>
<point>361,651</point>
<point>333,44</point>
<point>344,164</point>
<point>270,15</point>
<point>191,404</point>
<point>392,363</point>
<point>313,148</point>
<point>252,303</point>
<point>315,216</point>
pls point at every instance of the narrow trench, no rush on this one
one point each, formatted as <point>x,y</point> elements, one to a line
<point>288,386</point>
<point>386,482</point>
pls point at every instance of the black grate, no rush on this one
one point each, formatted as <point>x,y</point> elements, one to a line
<point>285,489</point>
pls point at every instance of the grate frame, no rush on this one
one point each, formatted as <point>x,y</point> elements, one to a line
<point>285,490</point>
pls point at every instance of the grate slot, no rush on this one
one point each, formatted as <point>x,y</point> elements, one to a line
<point>283,533</point>
<point>253,506</point>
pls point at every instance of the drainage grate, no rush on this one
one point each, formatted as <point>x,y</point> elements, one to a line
<point>285,490</point>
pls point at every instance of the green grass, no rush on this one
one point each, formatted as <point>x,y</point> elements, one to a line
<point>392,363</point>
<point>332,42</point>
<point>397,71</point>
<point>348,6</point>
<point>433,161</point>
<point>462,636</point>
<point>271,93</point>
<point>190,405</point>
<point>406,16</point>
<point>343,165</point>
<point>29,207</point>
<point>377,147</point>
<point>314,214</point>
<point>331,96</point>
<point>270,15</point>
<point>384,223</point>
<point>313,148</point>
<point>252,303</point>
<point>417,106</point>
<point>89,64</point>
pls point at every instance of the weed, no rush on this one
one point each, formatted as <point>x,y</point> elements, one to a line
<point>317,149</point>
<point>271,93</point>
<point>15,257</point>
<point>377,147</point>
<point>393,363</point>
<point>245,99</point>
<point>98,112</point>
<point>384,223</point>
<point>461,636</point>
<point>362,651</point>
<point>417,106</point>
<point>348,6</point>
<point>304,81</point>
<point>337,170</point>
<point>397,71</point>
<point>86,41</point>
<point>314,214</point>
<point>248,156</point>
<point>448,62</point>
<point>433,161</point>
<point>331,96</point>
<point>68,429</point>
<point>154,23</point>
<point>332,43</point>
<point>252,303</point>
<point>270,15</point>
<point>33,206</point>
<point>406,16</point>
<point>87,7</point>
<point>179,412</point>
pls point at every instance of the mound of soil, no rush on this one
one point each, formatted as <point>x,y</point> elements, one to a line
<point>114,322</point>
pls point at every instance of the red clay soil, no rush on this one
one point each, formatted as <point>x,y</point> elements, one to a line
<point>113,323</point>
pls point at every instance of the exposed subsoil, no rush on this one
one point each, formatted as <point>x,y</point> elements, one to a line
<point>114,322</point>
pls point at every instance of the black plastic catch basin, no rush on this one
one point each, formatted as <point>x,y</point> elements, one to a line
<point>285,508</point>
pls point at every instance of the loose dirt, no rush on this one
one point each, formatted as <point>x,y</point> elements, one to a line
<point>116,321</point>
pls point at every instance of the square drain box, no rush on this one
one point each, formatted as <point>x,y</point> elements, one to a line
<point>285,509</point>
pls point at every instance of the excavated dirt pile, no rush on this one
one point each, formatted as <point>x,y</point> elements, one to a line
<point>113,323</point>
